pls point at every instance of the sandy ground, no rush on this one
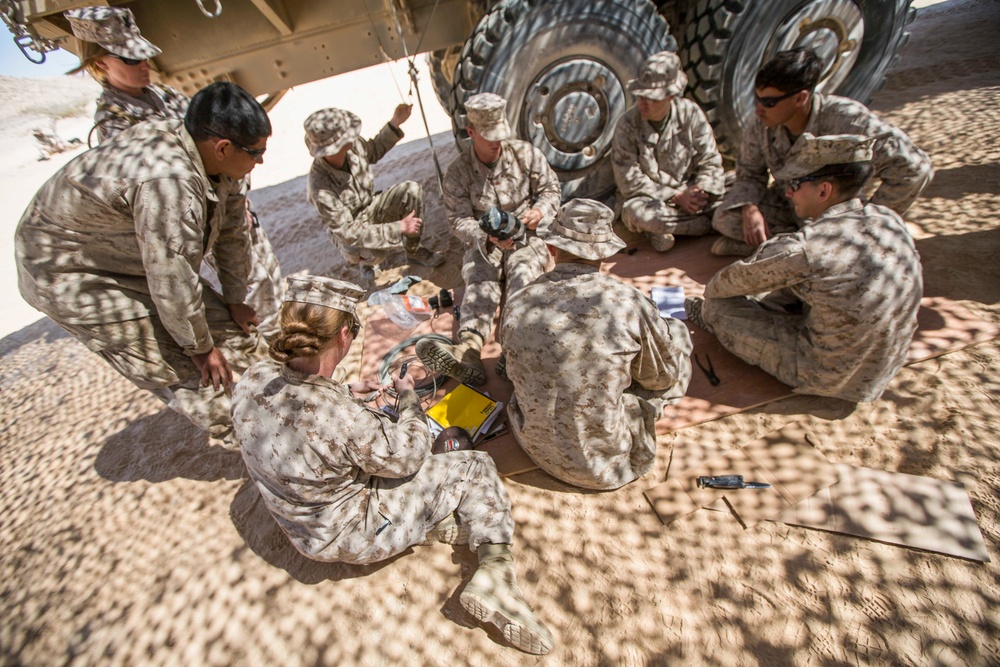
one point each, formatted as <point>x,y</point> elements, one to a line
<point>128,539</point>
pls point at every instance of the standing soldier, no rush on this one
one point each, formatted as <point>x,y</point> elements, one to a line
<point>111,245</point>
<point>512,176</point>
<point>116,55</point>
<point>365,225</point>
<point>830,309</point>
<point>592,361</point>
<point>787,107</point>
<point>667,167</point>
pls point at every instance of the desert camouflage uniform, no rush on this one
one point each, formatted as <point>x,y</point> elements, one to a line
<point>593,364</point>
<point>651,167</point>
<point>348,485</point>
<point>110,249</point>
<point>520,180</point>
<point>117,112</point>
<point>904,169</point>
<point>362,223</point>
<point>856,275</point>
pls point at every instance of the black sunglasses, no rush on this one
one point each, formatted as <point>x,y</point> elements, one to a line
<point>771,102</point>
<point>355,329</point>
<point>132,62</point>
<point>255,153</point>
<point>796,183</point>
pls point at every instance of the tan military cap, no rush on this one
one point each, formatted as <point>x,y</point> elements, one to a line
<point>810,153</point>
<point>329,130</point>
<point>321,291</point>
<point>112,28</point>
<point>661,77</point>
<point>488,114</point>
<point>583,227</point>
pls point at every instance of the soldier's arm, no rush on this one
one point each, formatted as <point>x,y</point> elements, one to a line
<point>382,448</point>
<point>750,184</point>
<point>664,359</point>
<point>546,192</point>
<point>380,144</point>
<point>904,169</point>
<point>232,246</point>
<point>169,227</point>
<point>461,216</point>
<point>707,162</point>
<point>631,180</point>
<point>780,262</point>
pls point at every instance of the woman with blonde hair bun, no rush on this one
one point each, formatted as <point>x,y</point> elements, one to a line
<point>346,483</point>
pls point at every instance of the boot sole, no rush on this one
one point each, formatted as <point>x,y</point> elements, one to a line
<point>514,630</point>
<point>440,361</point>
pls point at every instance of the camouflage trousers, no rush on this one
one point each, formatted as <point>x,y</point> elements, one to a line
<point>144,352</point>
<point>759,331</point>
<point>646,214</point>
<point>390,205</point>
<point>404,510</point>
<point>265,287</point>
<point>482,276</point>
<point>776,209</point>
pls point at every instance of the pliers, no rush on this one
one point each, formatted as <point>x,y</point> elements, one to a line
<point>710,371</point>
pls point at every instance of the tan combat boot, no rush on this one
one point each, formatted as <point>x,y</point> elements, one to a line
<point>661,242</point>
<point>417,254</point>
<point>493,596</point>
<point>462,361</point>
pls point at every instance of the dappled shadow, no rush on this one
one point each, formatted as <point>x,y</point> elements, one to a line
<point>44,330</point>
<point>163,446</point>
<point>962,266</point>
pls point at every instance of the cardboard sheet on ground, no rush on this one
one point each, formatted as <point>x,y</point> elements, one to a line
<point>896,508</point>
<point>784,459</point>
<point>944,326</point>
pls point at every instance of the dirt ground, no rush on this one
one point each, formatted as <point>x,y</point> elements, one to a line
<point>128,538</point>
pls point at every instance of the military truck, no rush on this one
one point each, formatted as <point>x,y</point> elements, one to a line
<point>561,64</point>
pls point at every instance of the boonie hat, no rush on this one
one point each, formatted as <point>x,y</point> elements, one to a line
<point>661,76</point>
<point>810,153</point>
<point>488,114</point>
<point>583,227</point>
<point>321,291</point>
<point>329,130</point>
<point>112,28</point>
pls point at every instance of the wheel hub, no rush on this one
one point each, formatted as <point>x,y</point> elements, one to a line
<point>833,29</point>
<point>568,112</point>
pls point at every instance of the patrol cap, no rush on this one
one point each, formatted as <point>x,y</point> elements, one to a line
<point>322,291</point>
<point>583,227</point>
<point>329,130</point>
<point>810,153</point>
<point>113,29</point>
<point>488,114</point>
<point>661,77</point>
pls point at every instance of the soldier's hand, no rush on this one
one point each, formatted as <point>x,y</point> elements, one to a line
<point>243,315</point>
<point>401,384</point>
<point>411,224</point>
<point>365,387</point>
<point>690,201</point>
<point>214,369</point>
<point>754,226</point>
<point>506,244</point>
<point>531,218</point>
<point>401,113</point>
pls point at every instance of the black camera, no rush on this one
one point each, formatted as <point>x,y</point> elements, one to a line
<point>501,225</point>
<point>442,300</point>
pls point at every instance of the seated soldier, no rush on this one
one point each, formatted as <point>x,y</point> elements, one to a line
<point>667,167</point>
<point>592,361</point>
<point>348,484</point>
<point>365,225</point>
<point>497,171</point>
<point>787,107</point>
<point>830,309</point>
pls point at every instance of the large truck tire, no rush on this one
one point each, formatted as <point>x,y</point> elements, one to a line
<point>724,43</point>
<point>562,66</point>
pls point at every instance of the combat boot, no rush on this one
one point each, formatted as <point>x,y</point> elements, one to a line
<point>693,306</point>
<point>725,247</point>
<point>661,242</point>
<point>424,257</point>
<point>493,596</point>
<point>462,361</point>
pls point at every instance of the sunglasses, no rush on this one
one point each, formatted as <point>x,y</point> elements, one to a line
<point>355,329</point>
<point>131,62</point>
<point>255,153</point>
<point>796,183</point>
<point>771,102</point>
